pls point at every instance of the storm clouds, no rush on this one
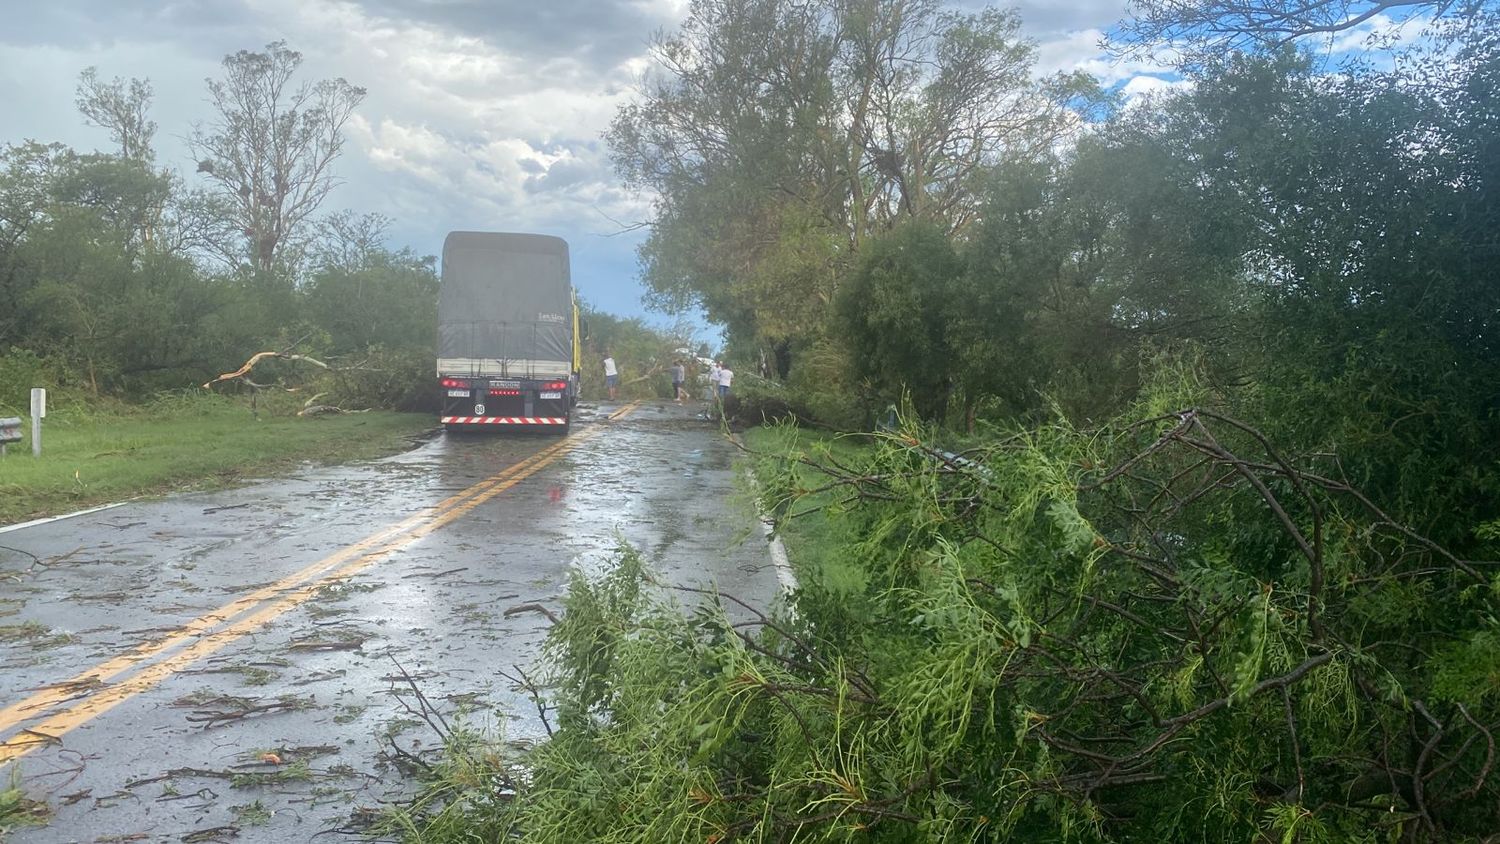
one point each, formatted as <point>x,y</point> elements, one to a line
<point>481,114</point>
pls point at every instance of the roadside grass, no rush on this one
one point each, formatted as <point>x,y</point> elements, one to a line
<point>816,538</point>
<point>176,443</point>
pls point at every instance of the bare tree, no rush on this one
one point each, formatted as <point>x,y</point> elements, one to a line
<point>931,98</point>
<point>349,241</point>
<point>120,106</point>
<point>270,149</point>
<point>202,223</point>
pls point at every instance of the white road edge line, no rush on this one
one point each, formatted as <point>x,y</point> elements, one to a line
<point>785,575</point>
<point>35,522</point>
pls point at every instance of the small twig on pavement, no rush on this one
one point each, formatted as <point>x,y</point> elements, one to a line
<point>520,608</point>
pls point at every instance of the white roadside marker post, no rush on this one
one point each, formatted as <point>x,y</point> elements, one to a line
<point>38,411</point>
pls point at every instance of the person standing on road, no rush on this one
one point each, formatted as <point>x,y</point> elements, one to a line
<point>679,375</point>
<point>611,375</point>
<point>713,380</point>
<point>726,375</point>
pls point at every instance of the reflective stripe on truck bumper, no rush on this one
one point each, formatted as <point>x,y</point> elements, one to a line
<point>505,420</point>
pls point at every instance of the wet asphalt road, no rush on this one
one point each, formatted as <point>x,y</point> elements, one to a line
<point>173,746</point>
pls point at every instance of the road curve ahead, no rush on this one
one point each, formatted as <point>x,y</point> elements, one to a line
<point>230,664</point>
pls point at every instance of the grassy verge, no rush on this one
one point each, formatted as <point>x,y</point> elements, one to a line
<point>179,445</point>
<point>817,542</point>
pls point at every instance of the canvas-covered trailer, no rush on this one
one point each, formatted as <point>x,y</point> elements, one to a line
<point>508,352</point>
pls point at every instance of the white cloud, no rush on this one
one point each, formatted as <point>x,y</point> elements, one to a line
<point>1381,28</point>
<point>1145,85</point>
<point>1140,89</point>
<point>1081,50</point>
<point>459,133</point>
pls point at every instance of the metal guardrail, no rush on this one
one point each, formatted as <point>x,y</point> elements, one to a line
<point>892,424</point>
<point>10,431</point>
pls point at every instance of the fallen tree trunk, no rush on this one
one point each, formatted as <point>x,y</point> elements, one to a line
<point>326,409</point>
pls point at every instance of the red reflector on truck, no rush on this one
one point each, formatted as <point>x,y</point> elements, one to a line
<point>505,392</point>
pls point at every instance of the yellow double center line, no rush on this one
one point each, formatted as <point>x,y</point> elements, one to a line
<point>214,630</point>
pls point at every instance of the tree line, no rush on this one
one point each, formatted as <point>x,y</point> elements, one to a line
<point>886,200</point>
<point>120,276</point>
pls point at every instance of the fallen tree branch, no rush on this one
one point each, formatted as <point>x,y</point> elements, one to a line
<point>257,358</point>
<point>654,370</point>
<point>521,608</point>
<point>326,410</point>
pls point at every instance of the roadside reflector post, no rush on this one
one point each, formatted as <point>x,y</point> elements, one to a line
<point>38,411</point>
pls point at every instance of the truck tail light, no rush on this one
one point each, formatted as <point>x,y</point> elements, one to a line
<point>556,385</point>
<point>455,382</point>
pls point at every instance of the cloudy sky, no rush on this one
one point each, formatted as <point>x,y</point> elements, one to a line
<point>481,114</point>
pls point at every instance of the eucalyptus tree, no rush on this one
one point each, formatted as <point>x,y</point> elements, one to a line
<point>269,150</point>
<point>122,108</point>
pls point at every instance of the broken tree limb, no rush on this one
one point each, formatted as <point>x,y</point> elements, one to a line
<point>257,358</point>
<point>655,369</point>
<point>538,608</point>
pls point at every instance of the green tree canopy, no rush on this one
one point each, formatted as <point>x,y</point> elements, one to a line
<point>778,135</point>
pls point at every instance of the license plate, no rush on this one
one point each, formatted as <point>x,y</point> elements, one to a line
<point>551,395</point>
<point>462,393</point>
<point>506,385</point>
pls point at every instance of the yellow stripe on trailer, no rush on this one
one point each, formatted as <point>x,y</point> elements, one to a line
<point>577,342</point>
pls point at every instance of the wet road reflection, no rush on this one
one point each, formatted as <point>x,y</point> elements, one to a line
<point>318,688</point>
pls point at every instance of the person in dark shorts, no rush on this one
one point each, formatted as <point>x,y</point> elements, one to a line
<point>726,376</point>
<point>679,376</point>
<point>611,375</point>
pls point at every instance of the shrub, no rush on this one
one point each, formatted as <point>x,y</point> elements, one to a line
<point>21,370</point>
<point>388,378</point>
<point>1161,629</point>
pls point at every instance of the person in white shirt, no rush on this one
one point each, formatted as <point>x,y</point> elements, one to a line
<point>726,376</point>
<point>713,380</point>
<point>679,376</point>
<point>611,375</point>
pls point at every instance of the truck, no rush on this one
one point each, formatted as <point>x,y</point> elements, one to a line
<point>508,351</point>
